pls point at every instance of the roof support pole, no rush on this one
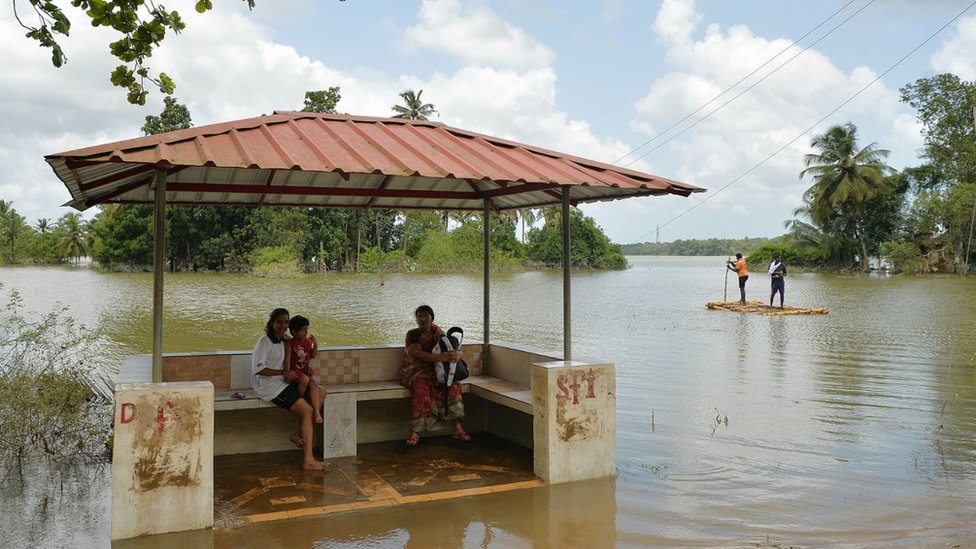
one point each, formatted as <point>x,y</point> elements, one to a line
<point>486,277</point>
<point>567,292</point>
<point>159,257</point>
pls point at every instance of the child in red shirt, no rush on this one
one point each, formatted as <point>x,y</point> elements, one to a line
<point>301,349</point>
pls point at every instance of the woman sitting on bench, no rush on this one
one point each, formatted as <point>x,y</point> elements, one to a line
<point>417,374</point>
<point>274,384</point>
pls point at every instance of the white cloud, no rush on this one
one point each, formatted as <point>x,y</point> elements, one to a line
<point>737,140</point>
<point>956,55</point>
<point>475,34</point>
<point>675,21</point>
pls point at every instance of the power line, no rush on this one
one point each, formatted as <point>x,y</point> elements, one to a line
<point>818,122</point>
<point>741,80</point>
<point>751,86</point>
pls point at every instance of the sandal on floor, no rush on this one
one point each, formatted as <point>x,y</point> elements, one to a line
<point>464,437</point>
<point>297,440</point>
<point>413,439</point>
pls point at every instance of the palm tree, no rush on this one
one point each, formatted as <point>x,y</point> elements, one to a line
<point>12,225</point>
<point>413,107</point>
<point>5,209</point>
<point>528,216</point>
<point>844,176</point>
<point>73,242</point>
<point>43,225</point>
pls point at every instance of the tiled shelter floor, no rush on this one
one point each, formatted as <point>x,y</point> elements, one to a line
<point>251,488</point>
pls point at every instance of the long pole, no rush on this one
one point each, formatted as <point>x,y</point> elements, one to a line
<point>725,293</point>
<point>567,291</point>
<point>486,280</point>
<point>159,256</point>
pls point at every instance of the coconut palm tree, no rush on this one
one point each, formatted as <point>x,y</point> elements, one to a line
<point>73,241</point>
<point>413,108</point>
<point>528,216</point>
<point>43,225</point>
<point>12,226</point>
<point>5,209</point>
<point>844,176</point>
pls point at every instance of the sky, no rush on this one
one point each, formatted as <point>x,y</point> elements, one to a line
<point>723,95</point>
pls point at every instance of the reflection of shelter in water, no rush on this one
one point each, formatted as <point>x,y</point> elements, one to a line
<point>338,161</point>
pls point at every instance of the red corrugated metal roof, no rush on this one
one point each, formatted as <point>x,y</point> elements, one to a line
<point>326,160</point>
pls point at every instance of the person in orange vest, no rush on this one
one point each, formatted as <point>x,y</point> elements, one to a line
<point>739,266</point>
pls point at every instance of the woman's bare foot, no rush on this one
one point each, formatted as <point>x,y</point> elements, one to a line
<point>462,436</point>
<point>313,465</point>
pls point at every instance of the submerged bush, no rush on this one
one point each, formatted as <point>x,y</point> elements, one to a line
<point>55,393</point>
<point>275,262</point>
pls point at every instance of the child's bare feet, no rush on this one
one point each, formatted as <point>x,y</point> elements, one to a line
<point>297,440</point>
<point>313,465</point>
<point>318,418</point>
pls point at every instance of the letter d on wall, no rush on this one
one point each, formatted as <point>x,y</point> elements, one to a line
<point>127,413</point>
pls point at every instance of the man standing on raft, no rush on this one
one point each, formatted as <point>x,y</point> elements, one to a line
<point>739,266</point>
<point>777,273</point>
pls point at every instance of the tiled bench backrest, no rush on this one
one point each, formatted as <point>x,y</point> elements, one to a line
<point>334,365</point>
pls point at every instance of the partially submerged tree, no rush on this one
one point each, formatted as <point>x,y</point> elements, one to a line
<point>844,178</point>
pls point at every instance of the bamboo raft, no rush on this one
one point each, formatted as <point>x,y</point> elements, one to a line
<point>763,309</point>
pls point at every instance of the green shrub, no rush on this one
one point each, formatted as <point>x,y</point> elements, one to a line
<point>55,395</point>
<point>275,262</point>
<point>905,257</point>
<point>393,261</point>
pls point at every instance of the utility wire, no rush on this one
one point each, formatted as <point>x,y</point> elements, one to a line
<point>751,86</point>
<point>741,80</point>
<point>818,122</point>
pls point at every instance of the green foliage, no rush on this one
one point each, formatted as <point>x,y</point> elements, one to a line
<point>123,237</point>
<point>416,225</point>
<point>275,262</point>
<point>945,108</point>
<point>174,116</point>
<point>55,394</point>
<point>845,177</point>
<point>393,261</point>
<point>413,108</point>
<point>322,100</point>
<point>793,256</point>
<point>706,247</point>
<point>905,257</point>
<point>141,26</point>
<point>461,250</point>
<point>589,247</point>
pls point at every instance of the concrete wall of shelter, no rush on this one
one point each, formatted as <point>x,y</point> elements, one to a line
<point>162,459</point>
<point>574,422</point>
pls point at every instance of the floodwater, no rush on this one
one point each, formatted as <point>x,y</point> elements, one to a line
<point>854,429</point>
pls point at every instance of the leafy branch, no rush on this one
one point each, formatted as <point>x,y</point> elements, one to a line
<point>143,26</point>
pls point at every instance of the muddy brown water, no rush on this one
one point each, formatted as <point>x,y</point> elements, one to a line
<point>854,429</point>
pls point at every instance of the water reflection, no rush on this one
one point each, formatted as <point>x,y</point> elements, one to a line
<point>856,428</point>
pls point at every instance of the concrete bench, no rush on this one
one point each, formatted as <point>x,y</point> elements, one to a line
<point>365,401</point>
<point>490,388</point>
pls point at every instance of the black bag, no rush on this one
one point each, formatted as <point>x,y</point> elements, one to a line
<point>449,373</point>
